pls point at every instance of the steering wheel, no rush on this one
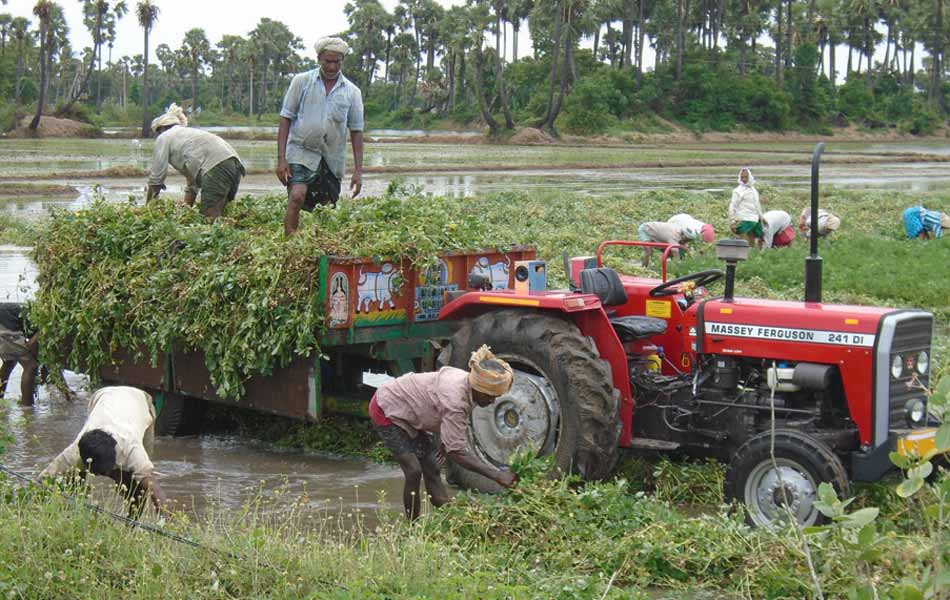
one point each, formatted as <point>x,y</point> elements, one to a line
<point>701,278</point>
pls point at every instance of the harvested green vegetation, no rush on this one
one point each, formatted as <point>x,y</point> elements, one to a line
<point>656,529</point>
<point>142,278</point>
<point>119,276</point>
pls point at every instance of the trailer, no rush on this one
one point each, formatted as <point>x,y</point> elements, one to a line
<point>381,316</point>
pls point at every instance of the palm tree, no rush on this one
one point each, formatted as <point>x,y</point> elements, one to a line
<point>248,54</point>
<point>42,11</point>
<point>147,14</point>
<point>196,49</point>
<point>5,20</point>
<point>107,23</point>
<point>19,28</point>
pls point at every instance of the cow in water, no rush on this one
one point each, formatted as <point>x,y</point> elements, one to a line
<point>376,287</point>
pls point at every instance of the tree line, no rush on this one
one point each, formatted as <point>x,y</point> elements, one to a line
<point>586,71</point>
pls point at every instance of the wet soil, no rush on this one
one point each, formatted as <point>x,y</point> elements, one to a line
<point>203,475</point>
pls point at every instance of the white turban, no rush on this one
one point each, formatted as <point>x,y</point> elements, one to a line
<point>331,44</point>
<point>488,374</point>
<point>173,116</point>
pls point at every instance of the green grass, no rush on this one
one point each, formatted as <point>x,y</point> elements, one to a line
<point>546,539</point>
<point>657,528</point>
<point>18,232</point>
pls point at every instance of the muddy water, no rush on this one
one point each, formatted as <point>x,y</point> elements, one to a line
<point>210,475</point>
<point>204,474</point>
<point>918,177</point>
<point>220,474</point>
<point>23,159</point>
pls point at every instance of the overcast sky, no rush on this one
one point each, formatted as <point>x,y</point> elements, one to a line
<point>308,20</point>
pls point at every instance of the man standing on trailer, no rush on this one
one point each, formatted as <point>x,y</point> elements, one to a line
<point>406,411</point>
<point>319,107</point>
<point>210,165</point>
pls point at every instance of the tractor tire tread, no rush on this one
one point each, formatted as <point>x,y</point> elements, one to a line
<point>588,377</point>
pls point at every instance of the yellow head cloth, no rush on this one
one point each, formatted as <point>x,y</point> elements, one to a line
<point>493,382</point>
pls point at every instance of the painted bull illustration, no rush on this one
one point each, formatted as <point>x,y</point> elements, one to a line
<point>376,287</point>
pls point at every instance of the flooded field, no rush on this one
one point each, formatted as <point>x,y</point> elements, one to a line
<point>210,474</point>
<point>36,175</point>
<point>214,473</point>
<point>202,474</point>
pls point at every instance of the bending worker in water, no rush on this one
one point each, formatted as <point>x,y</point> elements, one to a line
<point>17,348</point>
<point>405,411</point>
<point>208,163</point>
<point>319,107</point>
<point>112,444</point>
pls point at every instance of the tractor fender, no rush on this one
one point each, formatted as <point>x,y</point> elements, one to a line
<point>584,310</point>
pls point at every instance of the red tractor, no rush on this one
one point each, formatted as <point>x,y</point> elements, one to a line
<point>633,362</point>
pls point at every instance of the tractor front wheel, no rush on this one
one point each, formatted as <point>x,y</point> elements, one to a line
<point>562,402</point>
<point>774,488</point>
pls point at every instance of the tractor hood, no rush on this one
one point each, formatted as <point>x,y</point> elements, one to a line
<point>784,321</point>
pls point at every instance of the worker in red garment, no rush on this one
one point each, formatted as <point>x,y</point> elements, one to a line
<point>406,411</point>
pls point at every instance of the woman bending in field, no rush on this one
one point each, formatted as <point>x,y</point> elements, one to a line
<point>745,212</point>
<point>925,224</point>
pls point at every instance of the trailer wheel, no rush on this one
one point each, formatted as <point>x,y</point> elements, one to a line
<point>179,415</point>
<point>803,463</point>
<point>562,401</point>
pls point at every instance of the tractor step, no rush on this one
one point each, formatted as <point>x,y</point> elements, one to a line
<point>651,444</point>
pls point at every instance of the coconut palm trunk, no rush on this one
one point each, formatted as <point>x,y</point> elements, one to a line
<point>42,11</point>
<point>146,124</point>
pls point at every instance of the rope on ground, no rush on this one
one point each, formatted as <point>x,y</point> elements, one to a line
<point>143,526</point>
<point>123,519</point>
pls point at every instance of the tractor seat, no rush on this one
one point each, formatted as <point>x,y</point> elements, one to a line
<point>634,327</point>
<point>605,283</point>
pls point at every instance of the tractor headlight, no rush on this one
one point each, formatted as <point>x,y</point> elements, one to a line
<point>923,362</point>
<point>897,366</point>
<point>916,412</point>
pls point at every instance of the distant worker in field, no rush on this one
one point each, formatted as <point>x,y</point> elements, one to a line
<point>112,443</point>
<point>407,410</point>
<point>922,223</point>
<point>685,220</point>
<point>319,107</point>
<point>745,211</point>
<point>665,233</point>
<point>210,165</point>
<point>827,222</point>
<point>778,230</point>
<point>17,348</point>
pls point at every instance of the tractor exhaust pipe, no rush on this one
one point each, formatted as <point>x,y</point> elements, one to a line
<point>813,261</point>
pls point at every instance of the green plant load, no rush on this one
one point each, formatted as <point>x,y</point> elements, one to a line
<point>145,279</point>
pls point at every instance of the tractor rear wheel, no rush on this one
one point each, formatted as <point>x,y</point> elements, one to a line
<point>769,493</point>
<point>179,415</point>
<point>562,402</point>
